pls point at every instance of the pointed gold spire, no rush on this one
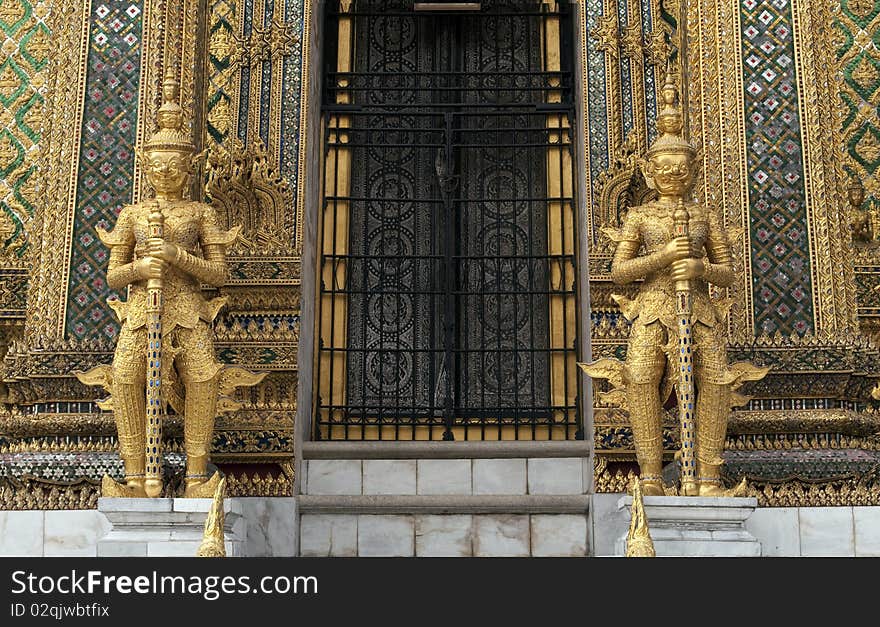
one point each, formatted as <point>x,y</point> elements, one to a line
<point>638,540</point>
<point>214,541</point>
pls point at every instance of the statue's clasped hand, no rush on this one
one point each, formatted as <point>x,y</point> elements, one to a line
<point>157,259</point>
<point>688,269</point>
<point>683,260</point>
<point>677,249</point>
<point>150,268</point>
<point>159,248</point>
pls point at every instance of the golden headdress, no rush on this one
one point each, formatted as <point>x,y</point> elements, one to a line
<point>670,123</point>
<point>173,133</point>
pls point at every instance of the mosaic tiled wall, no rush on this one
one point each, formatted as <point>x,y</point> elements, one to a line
<point>24,57</point>
<point>763,109</point>
<point>780,248</point>
<point>620,84</point>
<point>106,159</point>
<point>254,80</point>
<point>858,22</point>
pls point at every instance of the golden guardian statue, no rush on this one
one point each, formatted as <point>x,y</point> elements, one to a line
<point>676,247</point>
<point>162,250</point>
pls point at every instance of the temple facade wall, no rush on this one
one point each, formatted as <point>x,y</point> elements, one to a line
<point>780,98</point>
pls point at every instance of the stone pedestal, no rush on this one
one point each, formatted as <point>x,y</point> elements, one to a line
<point>165,527</point>
<point>689,526</point>
<point>454,499</point>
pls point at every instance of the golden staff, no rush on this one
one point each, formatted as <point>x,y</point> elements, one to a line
<point>685,387</point>
<point>155,402</point>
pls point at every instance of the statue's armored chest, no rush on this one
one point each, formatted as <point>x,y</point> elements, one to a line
<point>182,226</point>
<point>656,227</point>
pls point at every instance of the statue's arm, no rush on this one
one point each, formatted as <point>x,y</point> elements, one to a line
<point>627,266</point>
<point>121,269</point>
<point>719,270</point>
<point>211,268</point>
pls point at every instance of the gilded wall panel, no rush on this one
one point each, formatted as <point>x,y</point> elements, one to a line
<point>626,44</point>
<point>104,179</point>
<point>782,289</point>
<point>252,107</point>
<point>771,158</point>
<point>47,291</point>
<point>858,29</point>
<point>253,76</point>
<point>25,26</point>
<point>24,68</point>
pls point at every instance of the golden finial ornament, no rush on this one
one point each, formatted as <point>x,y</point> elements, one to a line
<point>213,539</point>
<point>638,540</point>
<point>670,123</point>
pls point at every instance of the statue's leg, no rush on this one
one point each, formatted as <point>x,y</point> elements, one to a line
<point>199,371</point>
<point>713,407</point>
<point>645,363</point>
<point>129,404</point>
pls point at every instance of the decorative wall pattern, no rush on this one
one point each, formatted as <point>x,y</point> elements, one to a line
<point>770,141</point>
<point>106,160</point>
<point>106,163</point>
<point>595,103</point>
<point>252,109</point>
<point>24,57</point>
<point>858,25</point>
<point>782,284</point>
<point>254,82</point>
<point>625,52</point>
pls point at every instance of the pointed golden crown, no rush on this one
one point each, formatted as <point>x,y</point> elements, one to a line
<point>670,123</point>
<point>173,133</point>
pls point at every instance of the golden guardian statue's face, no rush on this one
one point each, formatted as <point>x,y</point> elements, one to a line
<point>672,172</point>
<point>167,170</point>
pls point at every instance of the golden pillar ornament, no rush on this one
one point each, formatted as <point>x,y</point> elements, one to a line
<point>162,250</point>
<point>676,247</point>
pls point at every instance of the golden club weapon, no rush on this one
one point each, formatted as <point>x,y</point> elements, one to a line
<point>685,387</point>
<point>155,402</point>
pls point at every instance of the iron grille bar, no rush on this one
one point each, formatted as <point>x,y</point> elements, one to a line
<point>438,282</point>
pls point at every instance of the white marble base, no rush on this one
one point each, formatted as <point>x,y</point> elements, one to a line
<point>687,526</point>
<point>272,526</point>
<point>456,509</point>
<point>165,527</point>
<point>443,535</point>
<point>272,529</point>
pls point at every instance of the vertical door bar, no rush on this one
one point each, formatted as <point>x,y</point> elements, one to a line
<point>334,245</point>
<point>560,235</point>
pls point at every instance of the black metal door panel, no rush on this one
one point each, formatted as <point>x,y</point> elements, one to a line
<point>447,270</point>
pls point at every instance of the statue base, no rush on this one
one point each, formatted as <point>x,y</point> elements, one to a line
<point>691,526</point>
<point>165,527</point>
